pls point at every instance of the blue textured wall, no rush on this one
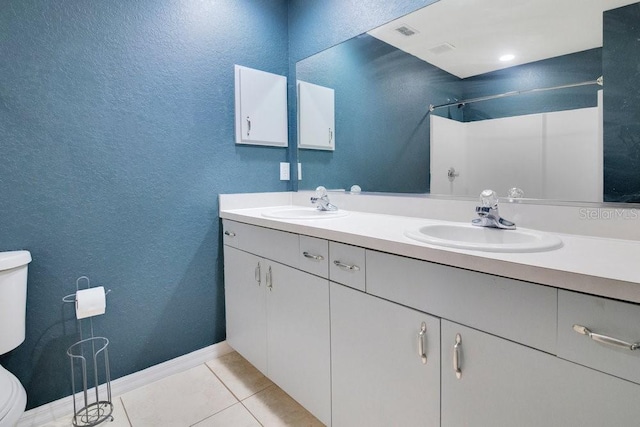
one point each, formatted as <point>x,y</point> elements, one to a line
<point>116,136</point>
<point>567,69</point>
<point>382,121</point>
<point>621,48</point>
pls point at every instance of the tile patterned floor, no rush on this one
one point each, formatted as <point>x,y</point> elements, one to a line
<point>225,392</point>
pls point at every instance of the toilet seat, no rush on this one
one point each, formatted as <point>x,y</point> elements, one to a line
<point>13,399</point>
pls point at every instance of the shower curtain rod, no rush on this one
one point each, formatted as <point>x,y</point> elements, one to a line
<point>598,81</point>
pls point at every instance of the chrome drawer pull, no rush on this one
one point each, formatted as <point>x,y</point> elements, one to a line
<point>614,342</point>
<point>346,266</point>
<point>421,335</point>
<point>456,356</point>
<point>230,233</point>
<point>313,257</point>
<point>270,279</point>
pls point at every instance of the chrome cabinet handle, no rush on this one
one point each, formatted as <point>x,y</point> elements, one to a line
<point>456,356</point>
<point>421,336</point>
<point>614,342</point>
<point>330,135</point>
<point>313,257</point>
<point>257,274</point>
<point>270,279</point>
<point>230,233</point>
<point>346,266</point>
<point>248,125</point>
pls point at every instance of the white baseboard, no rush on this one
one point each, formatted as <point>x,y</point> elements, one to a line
<point>63,407</point>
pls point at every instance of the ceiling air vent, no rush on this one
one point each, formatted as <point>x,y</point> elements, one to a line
<point>406,30</point>
<point>442,48</point>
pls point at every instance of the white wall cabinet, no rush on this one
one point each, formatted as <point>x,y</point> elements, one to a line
<point>379,376</point>
<point>316,117</point>
<point>507,384</point>
<point>261,107</point>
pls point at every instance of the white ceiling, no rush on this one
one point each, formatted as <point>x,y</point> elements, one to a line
<point>480,31</point>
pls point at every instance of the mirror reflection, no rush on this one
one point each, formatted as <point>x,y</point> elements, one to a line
<point>538,120</point>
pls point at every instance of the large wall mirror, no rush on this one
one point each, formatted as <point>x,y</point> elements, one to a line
<point>460,96</point>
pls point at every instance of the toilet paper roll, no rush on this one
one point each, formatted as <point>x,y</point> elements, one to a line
<point>90,302</point>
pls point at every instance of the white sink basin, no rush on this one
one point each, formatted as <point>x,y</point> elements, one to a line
<point>304,213</point>
<point>467,236</point>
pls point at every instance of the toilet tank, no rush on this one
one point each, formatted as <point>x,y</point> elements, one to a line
<point>13,298</point>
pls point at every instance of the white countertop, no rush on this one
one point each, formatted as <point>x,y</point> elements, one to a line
<point>594,265</point>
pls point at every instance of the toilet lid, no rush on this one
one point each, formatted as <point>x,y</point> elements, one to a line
<point>10,391</point>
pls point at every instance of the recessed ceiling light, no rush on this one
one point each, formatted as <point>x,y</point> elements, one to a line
<point>507,57</point>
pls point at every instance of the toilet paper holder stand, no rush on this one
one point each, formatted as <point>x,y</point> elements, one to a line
<point>72,297</point>
<point>89,354</point>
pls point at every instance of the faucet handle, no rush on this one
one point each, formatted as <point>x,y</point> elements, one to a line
<point>489,199</point>
<point>515,193</point>
<point>321,192</point>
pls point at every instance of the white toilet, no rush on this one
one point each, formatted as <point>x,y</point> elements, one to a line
<point>13,305</point>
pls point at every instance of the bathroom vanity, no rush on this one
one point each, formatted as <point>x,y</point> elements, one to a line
<point>364,326</point>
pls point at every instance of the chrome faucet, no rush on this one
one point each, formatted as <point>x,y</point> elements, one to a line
<point>322,200</point>
<point>488,213</point>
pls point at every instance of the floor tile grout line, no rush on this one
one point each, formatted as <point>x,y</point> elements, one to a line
<point>223,409</point>
<point>126,414</point>
<point>234,395</point>
<point>249,410</point>
<point>222,382</point>
<point>251,413</point>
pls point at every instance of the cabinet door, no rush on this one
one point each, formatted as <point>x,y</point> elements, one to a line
<point>378,376</point>
<point>246,305</point>
<point>298,349</point>
<point>316,117</point>
<point>261,107</point>
<point>507,384</point>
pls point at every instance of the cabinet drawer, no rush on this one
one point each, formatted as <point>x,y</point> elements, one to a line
<point>519,311</point>
<point>604,317</point>
<point>313,256</point>
<point>275,245</point>
<point>347,265</point>
<point>231,232</point>
<point>499,383</point>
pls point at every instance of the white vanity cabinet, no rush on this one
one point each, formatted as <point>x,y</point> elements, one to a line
<point>385,361</point>
<point>490,381</point>
<point>402,341</point>
<point>245,302</point>
<point>298,346</point>
<point>278,316</point>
